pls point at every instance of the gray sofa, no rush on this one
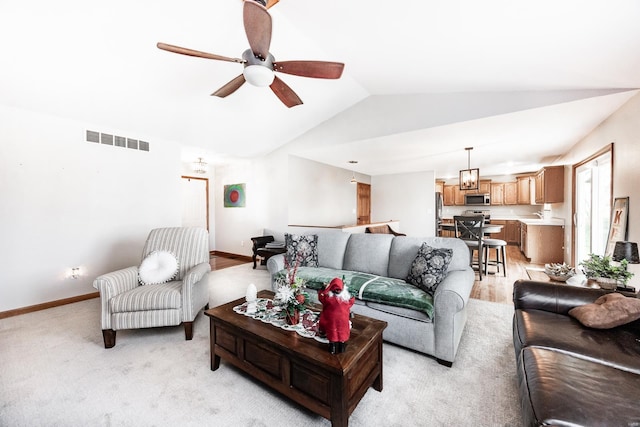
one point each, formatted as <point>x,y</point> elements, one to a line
<point>386,256</point>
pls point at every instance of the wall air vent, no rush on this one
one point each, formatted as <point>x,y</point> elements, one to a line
<point>106,139</point>
<point>116,141</point>
<point>93,136</point>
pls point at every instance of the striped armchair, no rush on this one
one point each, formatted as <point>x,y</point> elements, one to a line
<point>128,305</point>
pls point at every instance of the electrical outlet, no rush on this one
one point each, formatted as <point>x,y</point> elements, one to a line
<point>242,243</point>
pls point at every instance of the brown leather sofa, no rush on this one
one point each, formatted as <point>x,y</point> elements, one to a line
<point>568,374</point>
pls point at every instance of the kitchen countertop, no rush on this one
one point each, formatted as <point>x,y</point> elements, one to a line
<point>540,221</point>
<point>529,220</point>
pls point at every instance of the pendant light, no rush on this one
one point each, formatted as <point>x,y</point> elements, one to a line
<point>469,178</point>
<point>353,173</point>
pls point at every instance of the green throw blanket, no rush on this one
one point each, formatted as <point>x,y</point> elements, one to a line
<point>368,287</point>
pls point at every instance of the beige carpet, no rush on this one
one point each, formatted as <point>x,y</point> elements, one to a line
<point>54,371</point>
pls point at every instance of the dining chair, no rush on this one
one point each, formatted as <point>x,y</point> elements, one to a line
<point>469,228</point>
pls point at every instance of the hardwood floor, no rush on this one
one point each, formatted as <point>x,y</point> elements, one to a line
<point>218,262</point>
<point>497,287</point>
<point>493,287</point>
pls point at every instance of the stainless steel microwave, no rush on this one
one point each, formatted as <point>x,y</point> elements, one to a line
<point>477,199</point>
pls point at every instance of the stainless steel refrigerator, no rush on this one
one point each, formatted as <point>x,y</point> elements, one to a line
<point>439,204</point>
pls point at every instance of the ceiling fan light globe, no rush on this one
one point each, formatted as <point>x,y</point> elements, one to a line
<point>258,75</point>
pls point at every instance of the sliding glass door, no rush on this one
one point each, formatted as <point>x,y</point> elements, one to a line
<point>592,207</point>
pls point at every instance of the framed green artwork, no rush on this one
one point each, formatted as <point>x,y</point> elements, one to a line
<point>234,196</point>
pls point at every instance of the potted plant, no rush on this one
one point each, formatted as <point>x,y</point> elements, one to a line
<point>606,274</point>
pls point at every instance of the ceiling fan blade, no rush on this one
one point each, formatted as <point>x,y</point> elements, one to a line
<point>315,69</point>
<point>230,87</point>
<point>257,26</point>
<point>285,93</point>
<point>197,53</point>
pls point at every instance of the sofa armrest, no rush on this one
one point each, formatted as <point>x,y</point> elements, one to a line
<point>551,297</point>
<point>452,294</point>
<point>449,304</point>
<point>275,264</point>
<point>116,282</point>
<point>195,290</point>
<point>112,284</point>
<point>195,274</point>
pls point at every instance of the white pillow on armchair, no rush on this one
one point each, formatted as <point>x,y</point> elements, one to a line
<point>158,267</point>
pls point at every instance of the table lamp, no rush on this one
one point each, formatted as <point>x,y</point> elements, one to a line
<point>628,251</point>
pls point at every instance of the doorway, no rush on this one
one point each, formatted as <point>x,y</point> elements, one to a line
<point>364,203</point>
<point>593,189</point>
<point>195,202</point>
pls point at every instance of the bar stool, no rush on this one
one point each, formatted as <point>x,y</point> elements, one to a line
<point>501,254</point>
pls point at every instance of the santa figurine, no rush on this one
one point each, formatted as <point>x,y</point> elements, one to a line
<point>334,320</point>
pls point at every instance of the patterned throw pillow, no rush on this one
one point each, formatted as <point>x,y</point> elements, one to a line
<point>429,267</point>
<point>302,249</point>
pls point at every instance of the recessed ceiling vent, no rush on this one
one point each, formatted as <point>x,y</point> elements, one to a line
<point>116,141</point>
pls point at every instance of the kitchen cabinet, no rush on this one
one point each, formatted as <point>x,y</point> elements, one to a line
<point>512,232</point>
<point>447,233</point>
<point>504,193</point>
<point>452,195</point>
<point>484,187</point>
<point>510,195</point>
<point>550,185</point>
<point>458,196</point>
<point>439,186</point>
<point>447,195</point>
<point>542,244</point>
<point>524,189</point>
<point>497,193</point>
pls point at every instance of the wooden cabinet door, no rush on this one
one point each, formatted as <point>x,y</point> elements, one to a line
<point>497,193</point>
<point>524,190</point>
<point>550,185</point>
<point>458,196</point>
<point>439,186</point>
<point>485,186</point>
<point>512,232</point>
<point>540,187</point>
<point>510,195</point>
<point>448,195</point>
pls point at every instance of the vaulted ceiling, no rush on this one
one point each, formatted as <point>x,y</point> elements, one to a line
<point>521,82</point>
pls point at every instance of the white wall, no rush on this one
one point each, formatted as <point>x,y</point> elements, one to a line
<point>321,195</point>
<point>69,203</point>
<point>408,198</point>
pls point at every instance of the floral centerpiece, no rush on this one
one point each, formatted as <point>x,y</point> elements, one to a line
<point>290,295</point>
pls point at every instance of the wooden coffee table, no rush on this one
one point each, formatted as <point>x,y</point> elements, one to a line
<point>331,385</point>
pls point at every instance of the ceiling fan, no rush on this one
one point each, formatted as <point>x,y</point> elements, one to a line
<point>259,64</point>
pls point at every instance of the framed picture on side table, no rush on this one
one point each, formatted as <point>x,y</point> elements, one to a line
<point>618,225</point>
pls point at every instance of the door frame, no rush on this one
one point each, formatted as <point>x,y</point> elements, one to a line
<point>206,189</point>
<point>574,168</point>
